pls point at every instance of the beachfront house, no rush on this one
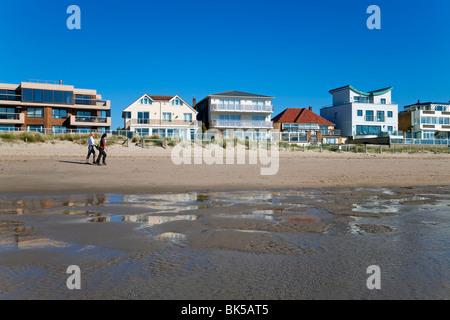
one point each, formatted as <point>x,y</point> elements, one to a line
<point>360,114</point>
<point>162,115</point>
<point>428,120</point>
<point>304,126</point>
<point>52,107</point>
<point>237,114</point>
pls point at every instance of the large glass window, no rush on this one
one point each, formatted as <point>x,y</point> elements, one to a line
<point>444,120</point>
<point>143,117</point>
<point>9,95</point>
<point>49,96</point>
<point>369,115</point>
<point>380,116</point>
<point>35,112</point>
<point>8,113</point>
<point>59,129</point>
<point>362,130</point>
<point>36,128</point>
<point>59,113</point>
<point>361,99</point>
<point>188,117</point>
<point>428,120</point>
<point>6,127</point>
<point>167,116</point>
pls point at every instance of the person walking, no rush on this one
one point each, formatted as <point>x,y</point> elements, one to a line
<point>102,150</point>
<point>91,148</point>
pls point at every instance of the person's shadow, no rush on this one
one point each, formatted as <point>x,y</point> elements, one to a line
<point>74,162</point>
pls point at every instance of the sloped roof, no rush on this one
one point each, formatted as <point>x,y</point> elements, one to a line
<point>300,115</point>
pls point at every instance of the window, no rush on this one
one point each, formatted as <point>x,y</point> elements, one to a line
<point>363,130</point>
<point>59,113</point>
<point>390,114</point>
<point>380,116</point>
<point>49,96</point>
<point>35,113</point>
<point>444,120</point>
<point>8,113</point>
<point>127,115</point>
<point>143,117</point>
<point>390,128</point>
<point>258,118</point>
<point>37,95</point>
<point>336,115</point>
<point>167,116</point>
<point>84,113</point>
<point>188,117</point>
<point>232,117</point>
<point>359,113</point>
<point>146,100</point>
<point>383,101</point>
<point>59,129</point>
<point>6,127</point>
<point>428,135</point>
<point>428,120</point>
<point>440,108</point>
<point>36,128</point>
<point>361,99</point>
<point>143,131</point>
<point>177,102</point>
<point>9,95</point>
<point>82,99</point>
<point>369,115</point>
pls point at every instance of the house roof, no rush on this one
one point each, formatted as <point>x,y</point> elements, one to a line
<point>239,94</point>
<point>160,97</point>
<point>300,115</point>
<point>374,93</point>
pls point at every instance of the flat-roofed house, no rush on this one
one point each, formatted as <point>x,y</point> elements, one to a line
<point>235,113</point>
<point>52,107</point>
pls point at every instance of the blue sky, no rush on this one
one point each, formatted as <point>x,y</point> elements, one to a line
<point>295,51</point>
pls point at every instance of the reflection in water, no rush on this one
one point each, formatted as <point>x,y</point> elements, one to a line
<point>289,206</point>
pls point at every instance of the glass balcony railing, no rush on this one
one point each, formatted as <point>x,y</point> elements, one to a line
<point>91,119</point>
<point>10,116</point>
<point>242,108</point>
<point>242,124</point>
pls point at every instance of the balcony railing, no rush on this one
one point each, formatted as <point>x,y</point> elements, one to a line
<point>12,118</point>
<point>90,121</point>
<point>10,97</point>
<point>90,102</point>
<point>242,124</point>
<point>242,108</point>
<point>162,122</point>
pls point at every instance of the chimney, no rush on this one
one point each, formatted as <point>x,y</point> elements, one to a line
<point>418,101</point>
<point>310,108</point>
<point>194,102</point>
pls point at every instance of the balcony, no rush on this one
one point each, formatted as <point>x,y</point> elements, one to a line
<point>242,124</point>
<point>242,108</point>
<point>82,121</point>
<point>160,122</point>
<point>12,118</point>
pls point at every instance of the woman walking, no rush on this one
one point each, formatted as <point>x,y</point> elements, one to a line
<point>102,150</point>
<point>91,148</point>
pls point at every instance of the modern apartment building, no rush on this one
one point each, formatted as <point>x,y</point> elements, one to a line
<point>163,115</point>
<point>53,107</point>
<point>235,110</point>
<point>303,125</point>
<point>359,113</point>
<point>429,120</point>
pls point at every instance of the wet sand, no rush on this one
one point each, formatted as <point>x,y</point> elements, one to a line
<point>145,228</point>
<point>270,245</point>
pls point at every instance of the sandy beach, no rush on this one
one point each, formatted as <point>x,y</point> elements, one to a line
<point>60,167</point>
<point>142,227</point>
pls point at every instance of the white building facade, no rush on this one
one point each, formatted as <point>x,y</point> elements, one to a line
<point>429,120</point>
<point>237,112</point>
<point>358,113</point>
<point>165,116</point>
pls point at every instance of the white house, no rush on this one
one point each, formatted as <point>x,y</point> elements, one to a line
<point>166,116</point>
<point>234,112</point>
<point>358,113</point>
